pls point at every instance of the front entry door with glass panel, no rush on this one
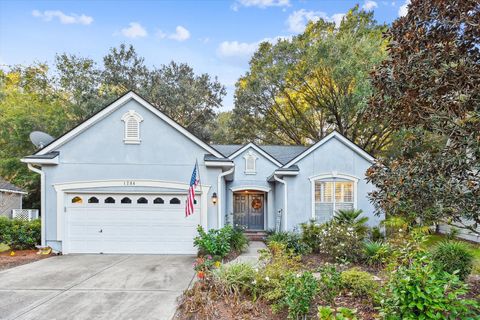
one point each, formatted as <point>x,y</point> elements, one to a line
<point>249,210</point>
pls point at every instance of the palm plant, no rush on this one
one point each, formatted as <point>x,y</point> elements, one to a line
<point>351,217</point>
<point>376,252</point>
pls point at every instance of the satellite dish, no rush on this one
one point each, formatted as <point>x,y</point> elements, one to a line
<point>40,139</point>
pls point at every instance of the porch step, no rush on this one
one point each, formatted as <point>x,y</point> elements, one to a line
<point>256,235</point>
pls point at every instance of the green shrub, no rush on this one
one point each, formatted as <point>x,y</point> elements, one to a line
<point>341,313</point>
<point>330,282</point>
<point>237,278</point>
<point>219,242</point>
<point>420,291</point>
<point>311,234</point>
<point>376,253</point>
<point>451,256</point>
<point>5,229</point>
<point>352,218</point>
<point>359,283</point>
<point>216,242</point>
<point>299,290</point>
<point>278,262</point>
<point>238,240</point>
<point>292,241</point>
<point>341,242</point>
<point>20,234</point>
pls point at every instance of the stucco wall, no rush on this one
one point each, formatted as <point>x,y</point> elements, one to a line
<point>333,156</point>
<point>99,153</point>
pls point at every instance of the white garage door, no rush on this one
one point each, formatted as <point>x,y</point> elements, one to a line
<point>130,223</point>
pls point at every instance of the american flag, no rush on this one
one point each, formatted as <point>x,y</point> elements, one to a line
<point>191,191</point>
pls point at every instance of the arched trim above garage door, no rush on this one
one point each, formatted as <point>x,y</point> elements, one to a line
<point>62,188</point>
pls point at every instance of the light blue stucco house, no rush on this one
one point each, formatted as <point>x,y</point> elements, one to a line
<point>118,182</point>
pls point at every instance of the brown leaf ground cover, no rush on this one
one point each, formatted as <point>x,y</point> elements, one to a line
<point>20,257</point>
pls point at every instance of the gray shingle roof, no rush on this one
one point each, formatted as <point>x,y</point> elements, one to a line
<point>5,185</point>
<point>49,155</point>
<point>282,153</point>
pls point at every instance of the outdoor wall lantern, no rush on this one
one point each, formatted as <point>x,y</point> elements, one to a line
<point>214,198</point>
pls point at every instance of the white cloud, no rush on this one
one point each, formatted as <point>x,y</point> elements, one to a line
<point>181,34</point>
<point>298,19</point>
<point>403,10</point>
<point>369,5</point>
<point>135,30</point>
<point>49,15</point>
<point>260,3</point>
<point>236,49</point>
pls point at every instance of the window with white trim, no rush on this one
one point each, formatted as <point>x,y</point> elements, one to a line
<point>331,195</point>
<point>132,121</point>
<point>250,163</point>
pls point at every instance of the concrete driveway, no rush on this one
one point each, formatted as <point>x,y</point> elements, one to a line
<point>95,287</point>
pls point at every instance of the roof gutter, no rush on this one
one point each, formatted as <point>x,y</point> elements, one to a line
<point>42,201</point>
<point>285,201</point>
<point>12,191</point>
<point>220,195</point>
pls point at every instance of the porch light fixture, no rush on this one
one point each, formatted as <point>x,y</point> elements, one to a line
<point>214,198</point>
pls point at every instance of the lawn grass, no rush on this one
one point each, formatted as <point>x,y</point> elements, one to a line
<point>434,239</point>
<point>4,247</point>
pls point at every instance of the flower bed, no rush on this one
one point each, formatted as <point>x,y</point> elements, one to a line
<point>20,257</point>
<point>338,270</point>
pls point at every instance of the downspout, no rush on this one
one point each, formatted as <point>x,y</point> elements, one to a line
<point>285,201</point>
<point>219,190</point>
<point>42,201</point>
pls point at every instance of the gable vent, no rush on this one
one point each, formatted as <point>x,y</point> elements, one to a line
<point>132,127</point>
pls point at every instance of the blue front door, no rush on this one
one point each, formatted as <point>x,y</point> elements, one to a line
<point>249,210</point>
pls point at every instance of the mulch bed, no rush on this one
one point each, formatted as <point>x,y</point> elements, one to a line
<point>21,257</point>
<point>231,256</point>
<point>206,303</point>
<point>474,288</point>
<point>203,302</point>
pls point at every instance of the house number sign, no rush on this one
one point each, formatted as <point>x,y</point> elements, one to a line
<point>128,183</point>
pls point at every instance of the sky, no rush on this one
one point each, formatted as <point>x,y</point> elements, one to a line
<point>214,37</point>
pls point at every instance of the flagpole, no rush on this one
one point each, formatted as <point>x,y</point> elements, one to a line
<point>199,183</point>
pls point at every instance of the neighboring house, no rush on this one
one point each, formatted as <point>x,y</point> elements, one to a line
<point>10,198</point>
<point>118,182</point>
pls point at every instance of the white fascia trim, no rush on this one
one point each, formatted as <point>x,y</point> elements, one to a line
<point>334,174</point>
<point>12,191</point>
<point>41,161</point>
<point>256,148</point>
<point>286,173</point>
<point>250,187</point>
<point>219,164</point>
<point>62,188</point>
<point>121,183</point>
<point>337,135</point>
<point>121,101</point>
